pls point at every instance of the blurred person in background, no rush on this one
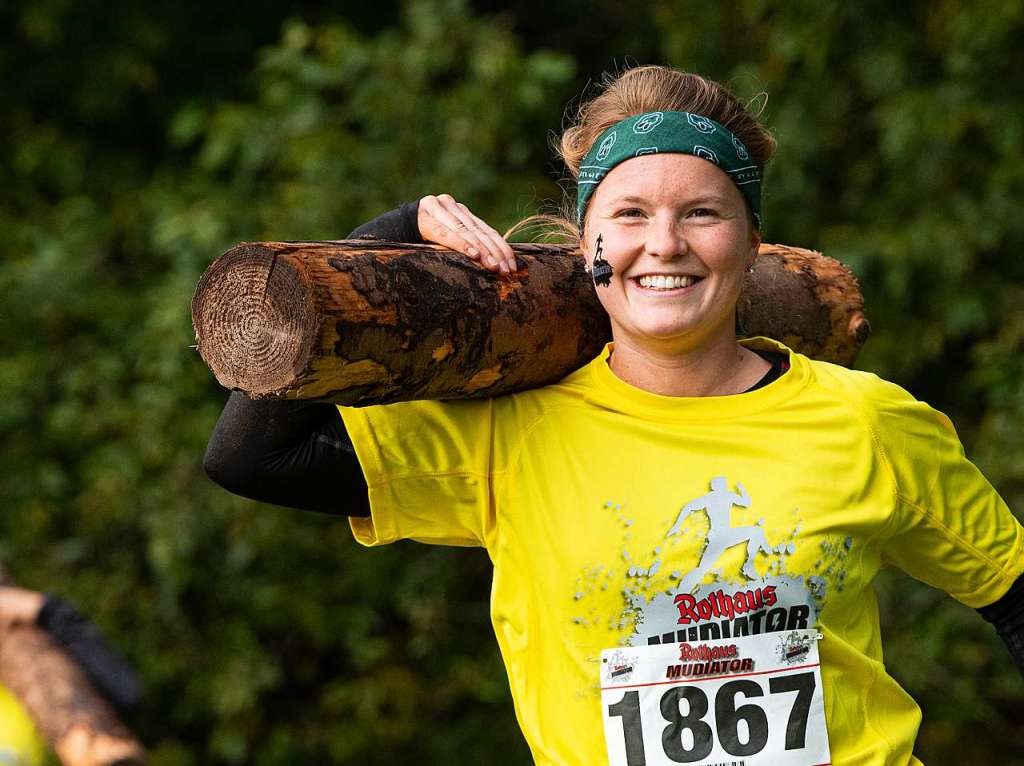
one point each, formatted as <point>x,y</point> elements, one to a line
<point>20,742</point>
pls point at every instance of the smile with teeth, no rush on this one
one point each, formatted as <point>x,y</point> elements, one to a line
<point>663,282</point>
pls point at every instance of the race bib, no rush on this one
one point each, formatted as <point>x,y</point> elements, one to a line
<point>745,701</point>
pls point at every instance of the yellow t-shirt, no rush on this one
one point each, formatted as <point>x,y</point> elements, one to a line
<point>20,743</point>
<point>602,506</point>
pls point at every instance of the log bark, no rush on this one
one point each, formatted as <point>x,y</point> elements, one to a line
<point>367,322</point>
<point>80,725</point>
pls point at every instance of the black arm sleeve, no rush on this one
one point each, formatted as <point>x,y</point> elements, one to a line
<point>399,225</point>
<point>287,453</point>
<point>110,674</point>
<point>297,453</point>
<point>1007,615</point>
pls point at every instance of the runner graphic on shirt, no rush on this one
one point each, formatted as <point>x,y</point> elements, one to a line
<point>721,536</point>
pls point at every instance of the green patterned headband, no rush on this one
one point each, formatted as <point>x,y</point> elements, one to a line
<point>679,132</point>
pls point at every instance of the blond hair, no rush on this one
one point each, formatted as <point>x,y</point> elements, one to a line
<point>635,91</point>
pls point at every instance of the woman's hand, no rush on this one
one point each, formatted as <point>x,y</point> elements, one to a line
<point>443,220</point>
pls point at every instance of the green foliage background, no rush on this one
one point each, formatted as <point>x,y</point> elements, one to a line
<point>139,142</point>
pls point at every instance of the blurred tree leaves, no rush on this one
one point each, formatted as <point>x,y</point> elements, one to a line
<point>260,638</point>
<point>140,142</point>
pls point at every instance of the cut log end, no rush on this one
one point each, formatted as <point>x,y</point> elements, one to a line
<point>811,303</point>
<point>237,334</point>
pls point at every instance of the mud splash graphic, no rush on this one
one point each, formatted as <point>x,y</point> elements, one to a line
<point>702,603</point>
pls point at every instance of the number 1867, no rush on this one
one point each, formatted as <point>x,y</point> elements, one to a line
<point>728,715</point>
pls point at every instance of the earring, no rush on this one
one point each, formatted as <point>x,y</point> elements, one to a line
<point>750,269</point>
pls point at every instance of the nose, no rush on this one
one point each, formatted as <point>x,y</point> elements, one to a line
<point>665,237</point>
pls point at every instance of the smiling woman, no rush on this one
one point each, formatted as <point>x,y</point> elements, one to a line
<point>668,167</point>
<point>677,237</point>
<point>684,531</point>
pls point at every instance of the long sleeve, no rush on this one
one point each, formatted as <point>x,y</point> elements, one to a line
<point>398,225</point>
<point>111,675</point>
<point>1007,616</point>
<point>297,453</point>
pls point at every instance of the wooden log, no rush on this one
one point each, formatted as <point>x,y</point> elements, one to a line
<point>365,322</point>
<point>810,302</point>
<point>80,725</point>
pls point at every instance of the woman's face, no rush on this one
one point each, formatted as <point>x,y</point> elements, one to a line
<point>659,218</point>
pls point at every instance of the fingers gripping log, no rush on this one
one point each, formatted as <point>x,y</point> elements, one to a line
<point>366,322</point>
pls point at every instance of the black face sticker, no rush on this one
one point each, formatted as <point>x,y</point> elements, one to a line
<point>602,270</point>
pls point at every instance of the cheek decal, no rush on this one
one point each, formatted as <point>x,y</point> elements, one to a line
<point>602,270</point>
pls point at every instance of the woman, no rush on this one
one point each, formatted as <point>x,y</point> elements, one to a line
<point>682,528</point>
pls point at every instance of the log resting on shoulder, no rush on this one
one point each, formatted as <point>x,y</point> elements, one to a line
<point>368,322</point>
<point>79,724</point>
